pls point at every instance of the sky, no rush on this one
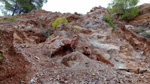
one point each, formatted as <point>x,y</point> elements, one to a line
<point>80,6</point>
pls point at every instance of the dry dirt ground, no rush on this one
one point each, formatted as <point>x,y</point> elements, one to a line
<point>85,51</point>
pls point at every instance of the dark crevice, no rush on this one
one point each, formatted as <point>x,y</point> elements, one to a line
<point>64,50</point>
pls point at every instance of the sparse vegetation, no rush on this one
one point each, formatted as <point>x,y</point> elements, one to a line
<point>1,56</point>
<point>139,30</point>
<point>9,19</point>
<point>13,18</point>
<point>148,10</point>
<point>108,19</point>
<point>58,21</point>
<point>142,32</point>
<point>145,34</point>
<point>47,32</point>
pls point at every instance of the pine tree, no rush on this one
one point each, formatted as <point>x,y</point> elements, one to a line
<point>21,6</point>
<point>126,8</point>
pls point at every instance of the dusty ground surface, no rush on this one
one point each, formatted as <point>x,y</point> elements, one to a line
<point>85,51</point>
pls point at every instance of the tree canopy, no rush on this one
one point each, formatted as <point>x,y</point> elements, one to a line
<point>21,6</point>
<point>127,8</point>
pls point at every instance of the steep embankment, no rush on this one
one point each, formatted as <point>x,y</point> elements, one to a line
<point>85,51</point>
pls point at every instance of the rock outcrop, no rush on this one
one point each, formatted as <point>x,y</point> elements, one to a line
<point>85,51</point>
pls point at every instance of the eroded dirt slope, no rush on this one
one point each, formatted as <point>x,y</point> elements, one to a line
<point>85,51</point>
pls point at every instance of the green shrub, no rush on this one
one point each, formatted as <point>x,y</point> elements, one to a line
<point>148,10</point>
<point>139,30</point>
<point>142,32</point>
<point>59,21</point>
<point>145,34</point>
<point>131,13</point>
<point>125,8</point>
<point>47,32</point>
<point>108,19</point>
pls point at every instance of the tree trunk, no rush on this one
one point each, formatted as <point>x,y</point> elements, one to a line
<point>20,11</point>
<point>14,9</point>
<point>26,11</point>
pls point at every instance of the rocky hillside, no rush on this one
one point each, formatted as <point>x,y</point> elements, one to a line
<point>85,51</point>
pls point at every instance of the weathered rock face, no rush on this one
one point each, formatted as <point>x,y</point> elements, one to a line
<point>84,51</point>
<point>93,19</point>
